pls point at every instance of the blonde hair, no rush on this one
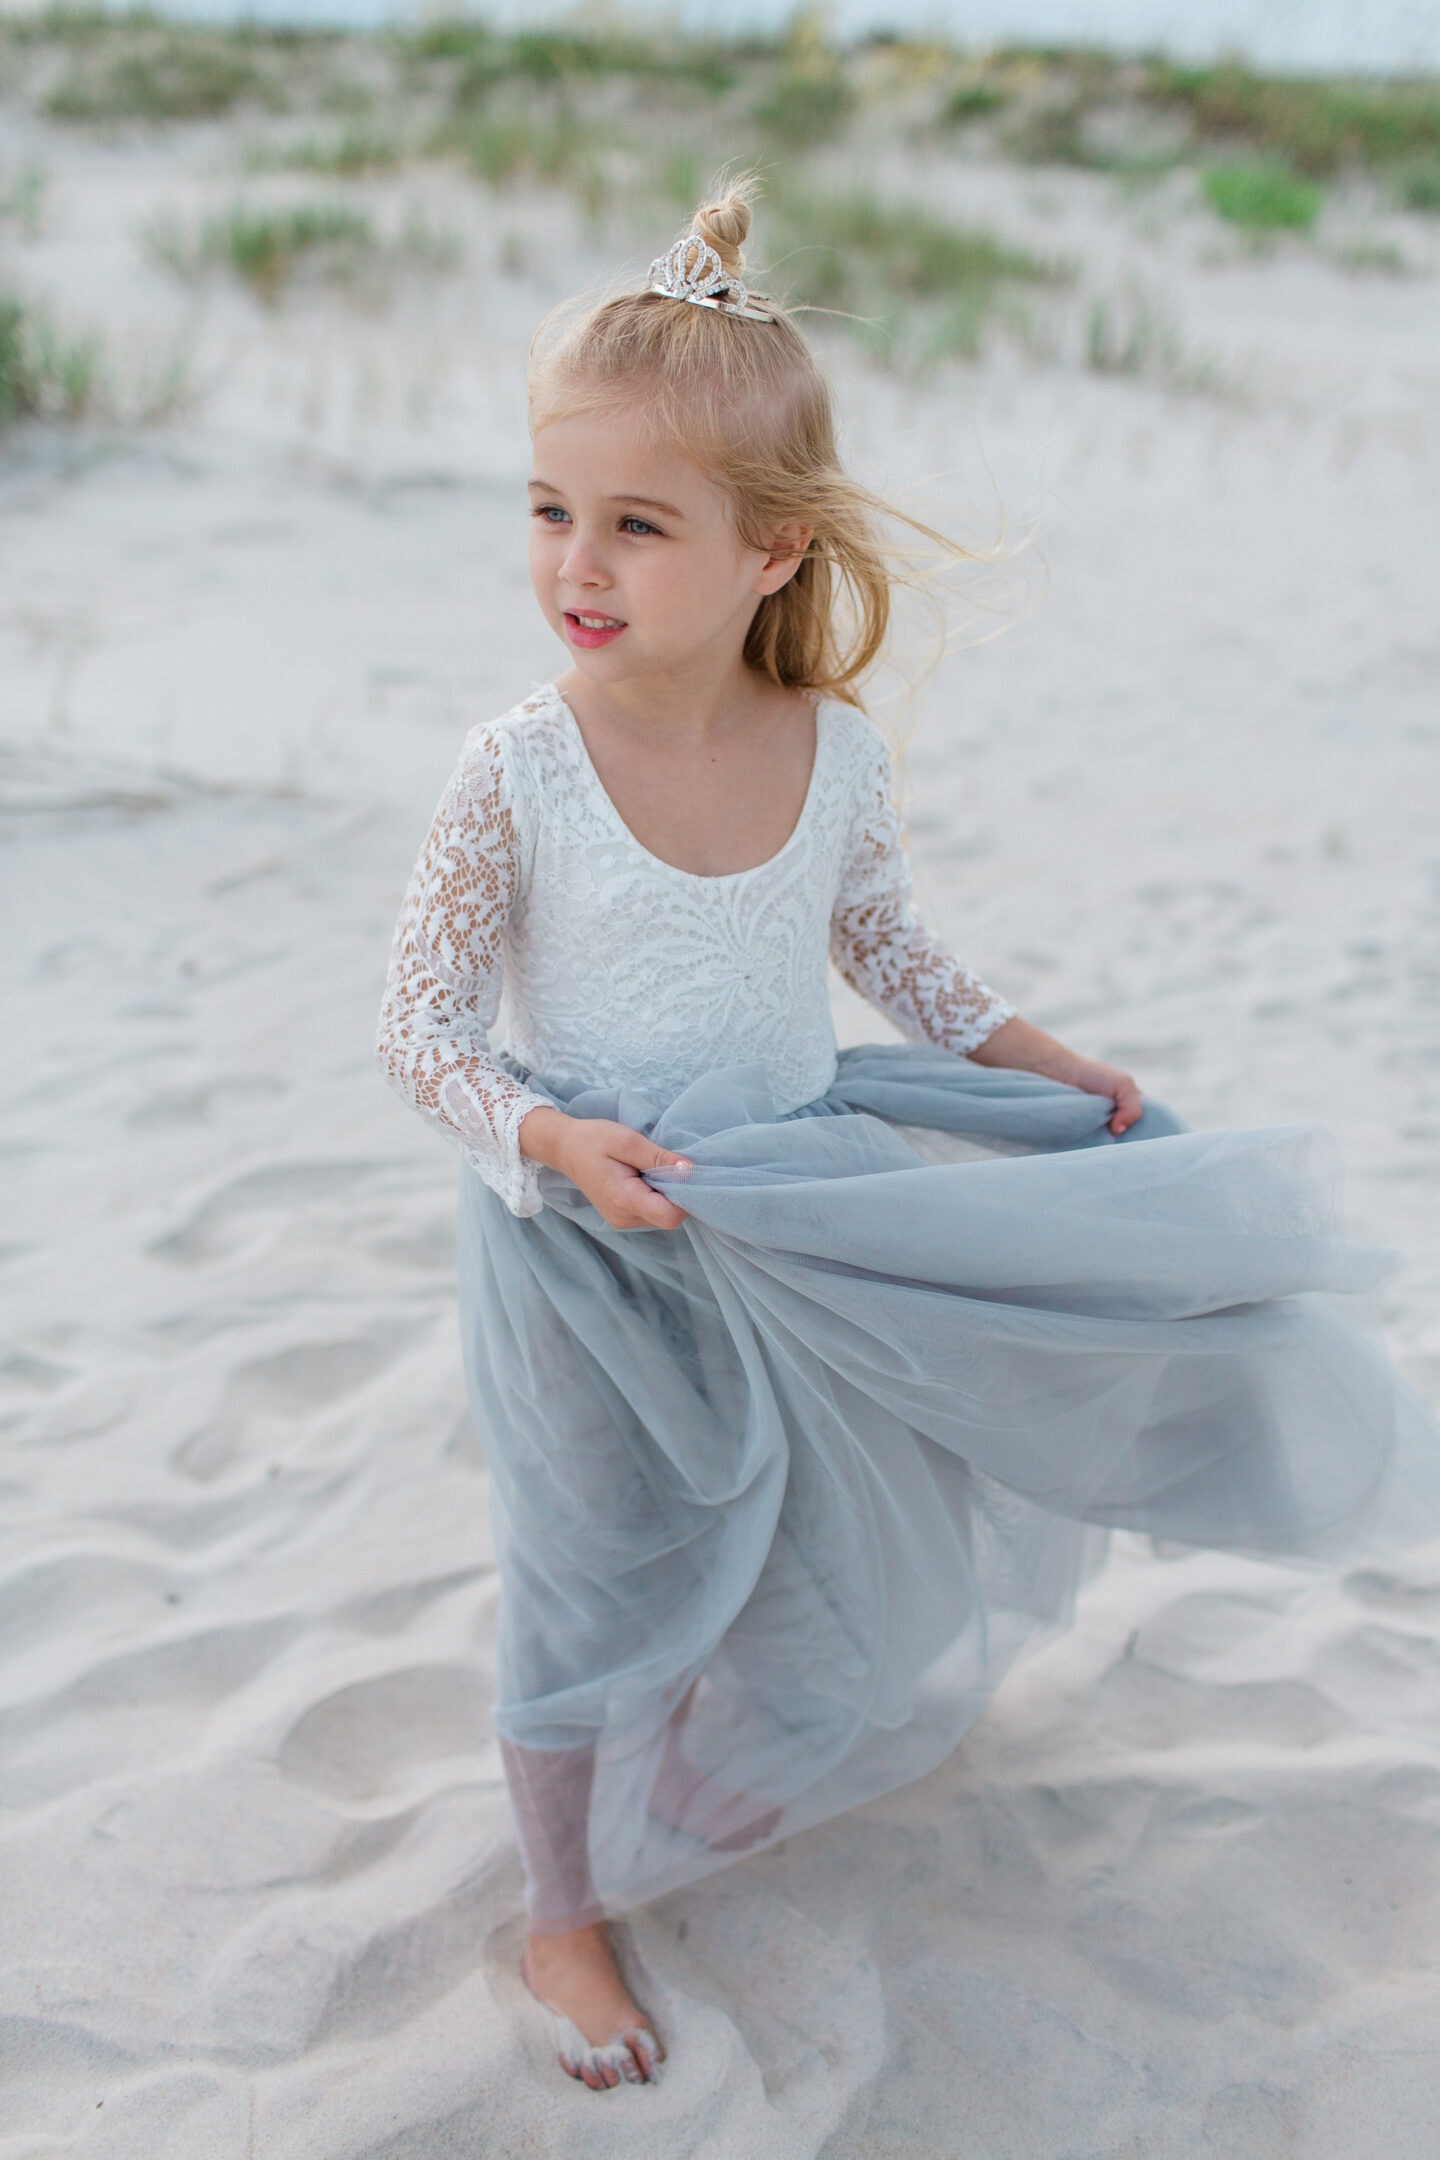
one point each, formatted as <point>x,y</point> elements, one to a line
<point>747,401</point>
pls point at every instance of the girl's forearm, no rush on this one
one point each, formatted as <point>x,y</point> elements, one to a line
<point>1022,1047</point>
<point>543,1134</point>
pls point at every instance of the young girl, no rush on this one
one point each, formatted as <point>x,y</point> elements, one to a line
<point>799,1427</point>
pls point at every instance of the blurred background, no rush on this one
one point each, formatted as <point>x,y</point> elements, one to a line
<point>1144,295</point>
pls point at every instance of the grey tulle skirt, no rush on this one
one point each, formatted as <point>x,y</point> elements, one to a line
<point>782,1492</point>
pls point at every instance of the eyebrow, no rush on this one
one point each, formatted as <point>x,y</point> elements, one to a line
<point>647,502</point>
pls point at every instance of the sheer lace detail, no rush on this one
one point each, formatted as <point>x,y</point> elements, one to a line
<point>443,989</point>
<point>625,972</point>
<point>883,949</point>
<point>534,912</point>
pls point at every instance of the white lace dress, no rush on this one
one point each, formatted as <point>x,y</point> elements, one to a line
<point>534,912</point>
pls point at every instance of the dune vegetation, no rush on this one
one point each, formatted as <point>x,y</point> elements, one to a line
<point>629,126</point>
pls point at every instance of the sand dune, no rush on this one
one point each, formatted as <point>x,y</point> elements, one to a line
<point>1175,1896</point>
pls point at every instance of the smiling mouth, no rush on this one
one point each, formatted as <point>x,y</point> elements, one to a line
<point>591,630</point>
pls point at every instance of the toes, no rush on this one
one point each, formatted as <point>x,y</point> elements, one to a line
<point>646,2053</point>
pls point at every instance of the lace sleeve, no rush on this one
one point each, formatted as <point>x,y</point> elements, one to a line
<point>884,950</point>
<point>443,988</point>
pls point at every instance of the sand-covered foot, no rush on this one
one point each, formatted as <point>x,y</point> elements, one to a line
<point>601,2035</point>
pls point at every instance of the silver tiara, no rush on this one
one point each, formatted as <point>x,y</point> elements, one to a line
<point>693,271</point>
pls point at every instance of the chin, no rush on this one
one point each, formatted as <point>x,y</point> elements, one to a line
<point>605,664</point>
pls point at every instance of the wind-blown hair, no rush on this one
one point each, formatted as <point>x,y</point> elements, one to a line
<point>747,401</point>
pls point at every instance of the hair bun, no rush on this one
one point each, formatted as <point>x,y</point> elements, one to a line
<point>725,224</point>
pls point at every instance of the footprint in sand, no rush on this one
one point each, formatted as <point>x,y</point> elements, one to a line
<point>360,1741</point>
<point>283,1390</point>
<point>129,1712</point>
<point>217,1228</point>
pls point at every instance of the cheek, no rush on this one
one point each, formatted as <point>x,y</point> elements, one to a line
<point>689,585</point>
<point>544,558</point>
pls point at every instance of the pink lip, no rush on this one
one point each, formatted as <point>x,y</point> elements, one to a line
<point>588,639</point>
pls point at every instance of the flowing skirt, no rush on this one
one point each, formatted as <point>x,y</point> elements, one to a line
<point>781,1493</point>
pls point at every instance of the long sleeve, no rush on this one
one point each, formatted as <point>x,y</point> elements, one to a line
<point>885,951</point>
<point>443,989</point>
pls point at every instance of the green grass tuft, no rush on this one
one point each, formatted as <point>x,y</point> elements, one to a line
<point>22,197</point>
<point>805,106</point>
<point>1370,258</point>
<point>267,248</point>
<point>809,97</point>
<point>1262,198</point>
<point>549,60</point>
<point>179,77</point>
<point>914,287</point>
<point>974,101</point>
<point>44,374</point>
<point>1420,186</point>
<point>1319,127</point>
<point>506,147</point>
<point>449,37</point>
<point>357,150</point>
<point>1135,337</point>
<point>264,248</point>
<point>76,25</point>
<point>909,251</point>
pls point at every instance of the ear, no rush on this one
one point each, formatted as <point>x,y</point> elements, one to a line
<point>787,551</point>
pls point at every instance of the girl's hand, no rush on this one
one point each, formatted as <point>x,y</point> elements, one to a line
<point>1025,1048</point>
<point>605,1161</point>
<point>1098,1079</point>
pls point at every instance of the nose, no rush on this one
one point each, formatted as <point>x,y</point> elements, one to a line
<point>582,565</point>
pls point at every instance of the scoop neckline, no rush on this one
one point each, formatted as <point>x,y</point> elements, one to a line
<point>696,877</point>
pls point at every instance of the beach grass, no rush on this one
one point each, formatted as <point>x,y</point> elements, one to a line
<point>809,96</point>
<point>142,67</point>
<point>623,120</point>
<point>171,76</point>
<point>505,147</point>
<point>970,101</point>
<point>1419,185</point>
<point>1370,258</point>
<point>1262,198</point>
<point>908,285</point>
<point>1320,127</point>
<point>45,373</point>
<point>910,252</point>
<point>264,247</point>
<point>483,58</point>
<point>356,151</point>
<point>267,247</point>
<point>22,197</point>
<point>1135,336</point>
<point>800,89</point>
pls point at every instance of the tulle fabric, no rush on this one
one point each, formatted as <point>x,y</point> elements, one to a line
<point>782,1493</point>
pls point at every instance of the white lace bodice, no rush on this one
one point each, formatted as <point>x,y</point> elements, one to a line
<point>535,912</point>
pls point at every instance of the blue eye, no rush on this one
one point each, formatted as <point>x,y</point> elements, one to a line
<point>637,525</point>
<point>551,513</point>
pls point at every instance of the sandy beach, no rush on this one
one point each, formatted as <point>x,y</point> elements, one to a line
<point>1176,1895</point>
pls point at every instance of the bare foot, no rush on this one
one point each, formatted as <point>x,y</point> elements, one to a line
<point>605,2038</point>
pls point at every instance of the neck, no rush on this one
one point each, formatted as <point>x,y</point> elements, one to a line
<point>700,702</point>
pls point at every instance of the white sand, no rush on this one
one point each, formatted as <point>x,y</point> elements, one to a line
<point>1176,1895</point>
